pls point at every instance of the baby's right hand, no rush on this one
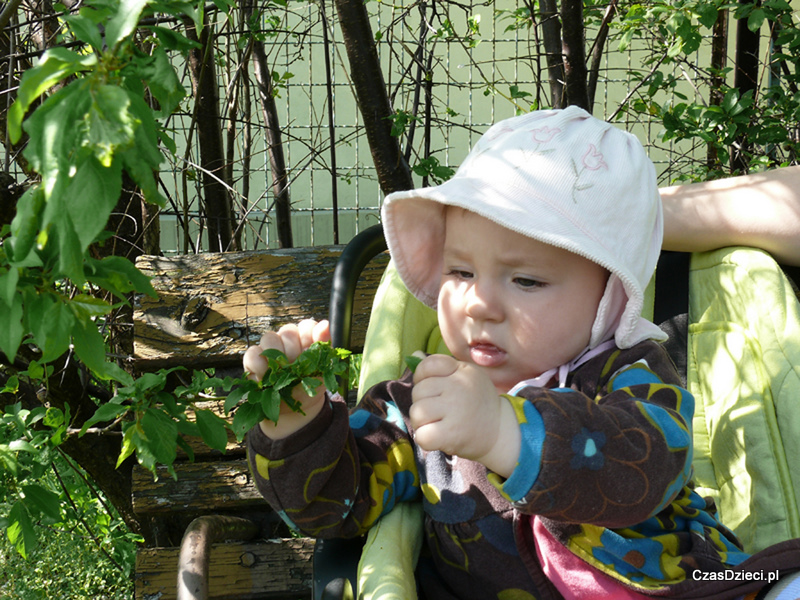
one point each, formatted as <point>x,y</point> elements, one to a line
<point>292,340</point>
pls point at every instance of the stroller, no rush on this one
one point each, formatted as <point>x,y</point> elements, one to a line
<point>734,323</point>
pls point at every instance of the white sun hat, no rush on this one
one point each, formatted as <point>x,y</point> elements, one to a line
<point>563,178</point>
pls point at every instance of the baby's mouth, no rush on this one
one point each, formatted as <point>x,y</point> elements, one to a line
<point>485,354</point>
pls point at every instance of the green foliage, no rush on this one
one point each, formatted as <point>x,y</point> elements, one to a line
<point>81,139</point>
<point>757,124</point>
<point>68,561</point>
<point>279,82</point>
<point>25,455</point>
<point>430,167</point>
<point>317,365</point>
<point>155,420</point>
<point>400,121</point>
<point>91,125</point>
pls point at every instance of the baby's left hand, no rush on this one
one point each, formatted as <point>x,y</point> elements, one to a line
<point>456,409</point>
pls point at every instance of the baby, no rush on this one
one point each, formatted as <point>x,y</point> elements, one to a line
<point>552,451</point>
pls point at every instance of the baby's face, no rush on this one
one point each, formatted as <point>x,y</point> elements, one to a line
<point>512,305</point>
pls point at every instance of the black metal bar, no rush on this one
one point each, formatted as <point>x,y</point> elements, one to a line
<point>355,256</point>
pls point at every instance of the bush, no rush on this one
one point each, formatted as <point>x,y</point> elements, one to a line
<point>68,562</point>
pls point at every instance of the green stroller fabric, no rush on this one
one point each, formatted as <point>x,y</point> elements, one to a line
<point>743,367</point>
<point>743,357</point>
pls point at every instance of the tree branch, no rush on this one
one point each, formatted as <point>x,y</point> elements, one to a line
<point>574,53</point>
<point>551,36</point>
<point>373,100</point>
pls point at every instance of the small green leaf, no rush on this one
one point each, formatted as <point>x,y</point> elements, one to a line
<point>54,417</point>
<point>128,446</point>
<point>707,14</point>
<point>22,446</point>
<point>20,530</point>
<point>89,345</point>
<point>173,40</point>
<point>25,225</point>
<point>52,333</point>
<point>756,19</point>
<point>413,362</point>
<point>85,306</point>
<point>269,399</point>
<point>234,397</point>
<point>124,22</point>
<point>56,64</point>
<point>160,433</point>
<point>8,285</point>
<point>245,418</point>
<point>329,379</point>
<point>85,30</point>
<point>105,413</point>
<point>119,276</point>
<point>43,501</point>
<point>162,81</point>
<point>109,125</point>
<point>11,329</point>
<point>213,430</point>
<point>276,356</point>
<point>310,385</point>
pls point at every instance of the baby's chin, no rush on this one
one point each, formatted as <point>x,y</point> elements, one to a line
<point>503,386</point>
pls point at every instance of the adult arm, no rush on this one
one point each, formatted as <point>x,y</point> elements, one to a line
<point>761,210</point>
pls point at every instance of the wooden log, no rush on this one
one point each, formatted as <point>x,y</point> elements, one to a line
<point>200,488</point>
<point>279,569</point>
<point>212,306</point>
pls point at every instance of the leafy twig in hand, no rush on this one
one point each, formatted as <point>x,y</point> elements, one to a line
<point>317,365</point>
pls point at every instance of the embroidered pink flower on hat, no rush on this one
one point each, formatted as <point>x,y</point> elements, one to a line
<point>593,160</point>
<point>544,134</point>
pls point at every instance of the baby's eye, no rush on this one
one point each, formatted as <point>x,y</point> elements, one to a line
<point>526,282</point>
<point>459,273</point>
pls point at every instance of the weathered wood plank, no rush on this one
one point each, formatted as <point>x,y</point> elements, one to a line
<point>201,487</point>
<point>212,306</point>
<point>279,569</point>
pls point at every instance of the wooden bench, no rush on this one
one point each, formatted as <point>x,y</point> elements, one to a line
<point>210,308</point>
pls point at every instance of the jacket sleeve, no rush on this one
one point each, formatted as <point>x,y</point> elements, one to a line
<point>340,473</point>
<point>613,454</point>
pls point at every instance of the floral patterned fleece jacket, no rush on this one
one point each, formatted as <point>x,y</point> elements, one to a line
<point>605,464</point>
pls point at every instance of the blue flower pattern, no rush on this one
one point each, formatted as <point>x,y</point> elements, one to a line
<point>587,446</point>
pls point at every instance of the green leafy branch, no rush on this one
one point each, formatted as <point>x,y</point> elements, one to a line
<point>80,140</point>
<point>317,365</point>
<point>155,421</point>
<point>28,439</point>
<point>93,123</point>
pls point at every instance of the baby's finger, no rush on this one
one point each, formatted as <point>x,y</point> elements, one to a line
<point>435,365</point>
<point>254,364</point>
<point>292,345</point>
<point>429,436</point>
<point>425,411</point>
<point>322,331</point>
<point>271,341</point>
<point>305,329</point>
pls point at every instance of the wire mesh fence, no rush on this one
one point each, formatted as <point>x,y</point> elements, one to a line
<point>451,68</point>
